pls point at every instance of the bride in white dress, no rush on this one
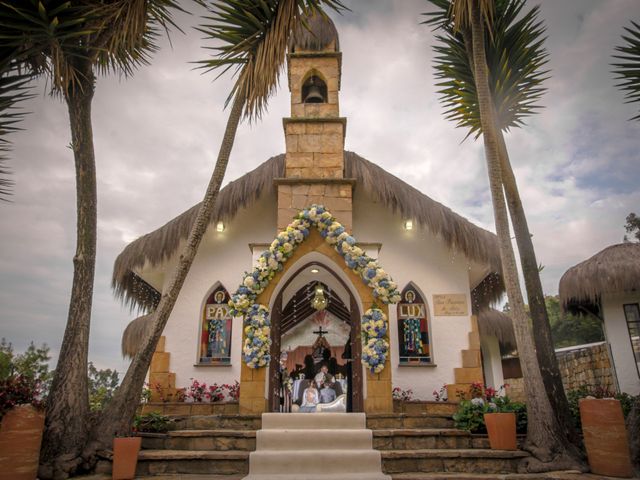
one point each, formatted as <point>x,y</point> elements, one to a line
<point>310,398</point>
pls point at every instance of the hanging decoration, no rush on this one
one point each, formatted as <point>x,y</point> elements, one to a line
<point>375,346</point>
<point>281,249</point>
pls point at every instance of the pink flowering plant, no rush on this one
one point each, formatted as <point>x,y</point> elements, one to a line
<point>199,392</point>
<point>402,395</point>
<point>441,395</point>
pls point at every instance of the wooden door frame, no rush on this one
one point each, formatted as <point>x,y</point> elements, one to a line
<point>357,382</point>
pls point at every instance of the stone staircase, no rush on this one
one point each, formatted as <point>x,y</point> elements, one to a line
<point>413,446</point>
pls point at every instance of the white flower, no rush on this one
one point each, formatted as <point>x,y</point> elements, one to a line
<point>248,281</point>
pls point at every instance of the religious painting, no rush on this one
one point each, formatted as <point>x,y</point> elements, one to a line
<point>215,339</point>
<point>413,329</point>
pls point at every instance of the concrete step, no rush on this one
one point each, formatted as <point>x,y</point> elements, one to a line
<point>380,421</point>
<point>163,462</point>
<point>564,475</point>
<point>313,421</point>
<point>220,440</point>
<point>315,462</point>
<point>357,439</point>
<point>448,460</point>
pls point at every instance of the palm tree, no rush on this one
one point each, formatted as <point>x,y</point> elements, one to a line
<point>546,440</point>
<point>628,71</point>
<point>254,38</point>
<point>515,58</point>
<point>69,42</point>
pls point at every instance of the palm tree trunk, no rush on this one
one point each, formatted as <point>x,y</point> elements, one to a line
<point>543,340</point>
<point>543,435</point>
<point>68,402</point>
<point>119,412</point>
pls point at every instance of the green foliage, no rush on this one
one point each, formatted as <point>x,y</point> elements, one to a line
<point>568,330</point>
<point>574,396</point>
<point>628,70</point>
<point>515,58</point>
<point>152,423</point>
<point>470,413</point>
<point>32,364</point>
<point>102,386</point>
<point>632,226</point>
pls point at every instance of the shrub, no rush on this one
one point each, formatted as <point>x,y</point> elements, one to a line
<point>470,413</point>
<point>574,397</point>
<point>18,390</point>
<point>152,423</point>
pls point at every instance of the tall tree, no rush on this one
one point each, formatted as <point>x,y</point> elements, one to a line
<point>546,440</point>
<point>252,39</point>
<point>627,70</point>
<point>515,59</point>
<point>69,42</point>
<point>633,227</point>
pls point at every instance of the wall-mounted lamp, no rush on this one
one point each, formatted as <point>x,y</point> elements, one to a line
<point>220,227</point>
<point>315,270</point>
<point>408,224</point>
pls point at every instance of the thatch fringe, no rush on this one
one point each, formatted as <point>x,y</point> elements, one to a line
<point>135,333</point>
<point>316,35</point>
<point>494,323</point>
<point>460,235</point>
<point>612,270</point>
<point>488,292</point>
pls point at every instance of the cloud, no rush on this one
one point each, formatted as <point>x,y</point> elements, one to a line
<point>157,136</point>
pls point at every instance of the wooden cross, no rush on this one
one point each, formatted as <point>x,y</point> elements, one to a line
<point>320,332</point>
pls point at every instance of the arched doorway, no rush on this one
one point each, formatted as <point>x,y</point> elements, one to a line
<point>311,337</point>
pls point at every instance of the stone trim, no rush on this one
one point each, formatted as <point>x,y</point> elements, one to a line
<point>337,55</point>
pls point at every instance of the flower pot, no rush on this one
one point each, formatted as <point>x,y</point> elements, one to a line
<point>501,428</point>
<point>605,437</point>
<point>20,437</point>
<point>125,457</point>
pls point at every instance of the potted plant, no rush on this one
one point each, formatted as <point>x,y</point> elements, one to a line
<point>494,413</point>
<point>605,437</point>
<point>125,457</point>
<point>22,420</point>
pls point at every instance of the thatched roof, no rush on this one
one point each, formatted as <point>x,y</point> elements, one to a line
<point>134,334</point>
<point>615,269</point>
<point>494,323</point>
<point>316,35</point>
<point>154,248</point>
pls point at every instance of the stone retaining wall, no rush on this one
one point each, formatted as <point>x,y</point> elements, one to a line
<point>588,366</point>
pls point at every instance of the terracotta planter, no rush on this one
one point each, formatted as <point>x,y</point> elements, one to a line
<point>125,457</point>
<point>501,428</point>
<point>20,437</point>
<point>605,437</point>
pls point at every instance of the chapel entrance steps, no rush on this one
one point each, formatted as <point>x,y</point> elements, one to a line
<point>413,446</point>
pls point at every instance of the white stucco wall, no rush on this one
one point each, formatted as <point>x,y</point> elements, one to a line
<point>492,362</point>
<point>618,337</point>
<point>419,257</point>
<point>222,257</point>
<point>409,256</point>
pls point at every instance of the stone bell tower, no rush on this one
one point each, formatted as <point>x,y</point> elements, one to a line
<point>315,131</point>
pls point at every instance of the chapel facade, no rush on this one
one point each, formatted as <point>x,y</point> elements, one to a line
<point>383,247</point>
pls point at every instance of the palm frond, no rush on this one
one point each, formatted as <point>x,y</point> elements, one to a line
<point>515,57</point>
<point>628,70</point>
<point>252,38</point>
<point>13,90</point>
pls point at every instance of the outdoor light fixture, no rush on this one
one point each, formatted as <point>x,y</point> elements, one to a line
<point>408,224</point>
<point>315,270</point>
<point>220,227</point>
<point>319,301</point>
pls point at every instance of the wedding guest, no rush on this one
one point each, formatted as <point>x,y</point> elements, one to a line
<point>310,399</point>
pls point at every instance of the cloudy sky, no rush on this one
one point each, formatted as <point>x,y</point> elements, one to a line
<point>157,137</point>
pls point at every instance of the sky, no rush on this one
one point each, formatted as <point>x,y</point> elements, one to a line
<point>157,135</point>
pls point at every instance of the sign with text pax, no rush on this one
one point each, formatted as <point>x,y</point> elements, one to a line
<point>450,305</point>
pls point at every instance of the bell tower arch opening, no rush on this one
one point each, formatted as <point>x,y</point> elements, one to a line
<point>314,90</point>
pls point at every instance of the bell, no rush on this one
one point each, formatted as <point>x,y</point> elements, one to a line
<point>319,301</point>
<point>314,95</point>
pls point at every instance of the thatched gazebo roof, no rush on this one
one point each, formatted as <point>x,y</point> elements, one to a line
<point>494,323</point>
<point>458,233</point>
<point>134,334</point>
<point>615,269</point>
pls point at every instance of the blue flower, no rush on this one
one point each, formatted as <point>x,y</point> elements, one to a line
<point>371,273</point>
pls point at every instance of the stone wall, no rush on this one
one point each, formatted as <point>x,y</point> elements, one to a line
<point>588,366</point>
<point>585,365</point>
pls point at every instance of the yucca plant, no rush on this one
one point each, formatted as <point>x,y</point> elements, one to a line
<point>69,43</point>
<point>251,40</point>
<point>489,62</point>
<point>627,70</point>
